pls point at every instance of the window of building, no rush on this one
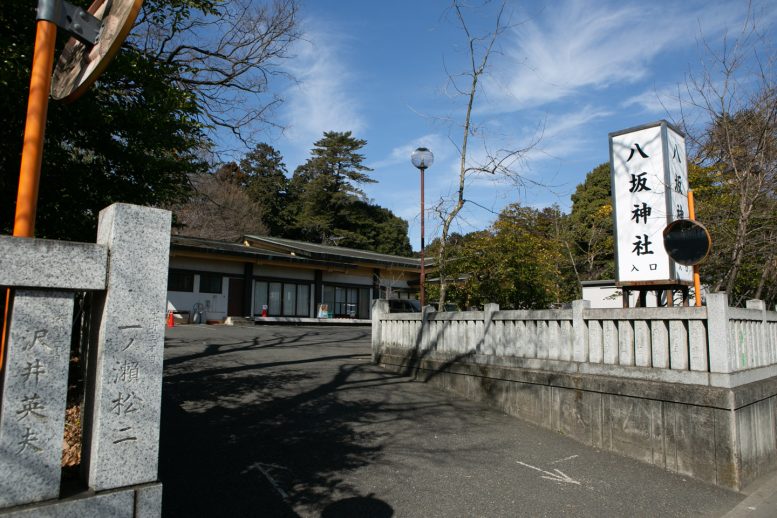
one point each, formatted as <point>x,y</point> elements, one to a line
<point>347,302</point>
<point>288,299</point>
<point>210,283</point>
<point>303,300</point>
<point>178,280</point>
<point>275,298</point>
<point>260,297</point>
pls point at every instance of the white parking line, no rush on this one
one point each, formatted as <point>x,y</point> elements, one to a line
<point>261,467</point>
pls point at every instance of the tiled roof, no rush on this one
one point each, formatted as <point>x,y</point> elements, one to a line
<point>336,253</point>
<point>273,248</point>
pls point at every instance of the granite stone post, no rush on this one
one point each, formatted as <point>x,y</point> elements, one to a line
<point>579,331</point>
<point>489,334</point>
<point>122,409</point>
<point>760,335</point>
<point>34,395</point>
<point>380,307</point>
<point>423,341</point>
<point>756,304</point>
<point>722,354</point>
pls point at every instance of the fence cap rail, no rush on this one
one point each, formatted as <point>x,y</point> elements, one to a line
<point>461,316</point>
<point>533,314</point>
<point>401,316</point>
<point>751,314</point>
<point>444,316</point>
<point>673,313</point>
<point>50,264</point>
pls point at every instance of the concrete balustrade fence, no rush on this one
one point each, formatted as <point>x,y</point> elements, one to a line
<point>127,272</point>
<point>690,389</point>
<point>679,344</point>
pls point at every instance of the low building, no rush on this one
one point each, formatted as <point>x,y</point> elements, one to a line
<point>604,294</point>
<point>268,277</point>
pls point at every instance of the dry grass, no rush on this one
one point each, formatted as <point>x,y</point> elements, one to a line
<point>71,448</point>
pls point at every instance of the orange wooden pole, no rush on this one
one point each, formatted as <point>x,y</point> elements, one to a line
<point>32,148</point>
<point>696,279</point>
<point>35,129</point>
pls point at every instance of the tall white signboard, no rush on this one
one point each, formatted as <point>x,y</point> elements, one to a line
<point>649,190</point>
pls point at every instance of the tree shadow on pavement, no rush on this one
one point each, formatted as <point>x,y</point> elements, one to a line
<point>238,437</point>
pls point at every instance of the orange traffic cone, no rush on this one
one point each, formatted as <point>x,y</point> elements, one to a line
<point>170,319</point>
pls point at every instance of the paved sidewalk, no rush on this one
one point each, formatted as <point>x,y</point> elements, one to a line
<point>761,501</point>
<point>296,421</point>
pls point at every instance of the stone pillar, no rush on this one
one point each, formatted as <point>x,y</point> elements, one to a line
<point>722,354</point>
<point>579,331</point>
<point>424,340</point>
<point>489,336</point>
<point>761,338</point>
<point>34,394</point>
<point>123,399</point>
<point>380,307</point>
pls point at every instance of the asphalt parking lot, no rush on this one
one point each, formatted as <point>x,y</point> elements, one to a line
<point>296,421</point>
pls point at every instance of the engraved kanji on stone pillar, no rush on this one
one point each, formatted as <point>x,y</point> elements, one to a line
<point>34,396</point>
<point>124,392</point>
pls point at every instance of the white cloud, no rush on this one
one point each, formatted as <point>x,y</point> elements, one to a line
<point>324,98</point>
<point>558,137</point>
<point>566,133</point>
<point>585,45</point>
<point>663,101</point>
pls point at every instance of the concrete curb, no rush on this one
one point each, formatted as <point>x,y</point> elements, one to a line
<point>761,503</point>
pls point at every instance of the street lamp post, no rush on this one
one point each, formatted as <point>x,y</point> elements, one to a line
<point>422,158</point>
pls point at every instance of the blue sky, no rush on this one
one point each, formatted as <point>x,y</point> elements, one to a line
<point>573,69</point>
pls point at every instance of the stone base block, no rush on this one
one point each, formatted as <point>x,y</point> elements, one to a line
<point>144,501</point>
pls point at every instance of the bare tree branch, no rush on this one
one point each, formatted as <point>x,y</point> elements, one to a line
<point>226,54</point>
<point>736,93</point>
<point>498,163</point>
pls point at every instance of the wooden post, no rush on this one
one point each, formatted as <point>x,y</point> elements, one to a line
<point>35,129</point>
<point>696,279</point>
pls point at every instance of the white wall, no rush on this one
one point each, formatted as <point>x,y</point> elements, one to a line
<point>344,278</point>
<point>608,297</point>
<point>611,297</point>
<point>215,303</point>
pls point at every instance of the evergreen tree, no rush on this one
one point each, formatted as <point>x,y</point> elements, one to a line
<point>267,185</point>
<point>326,204</point>
<point>591,240</point>
<point>133,137</point>
<point>139,133</point>
<point>336,160</point>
